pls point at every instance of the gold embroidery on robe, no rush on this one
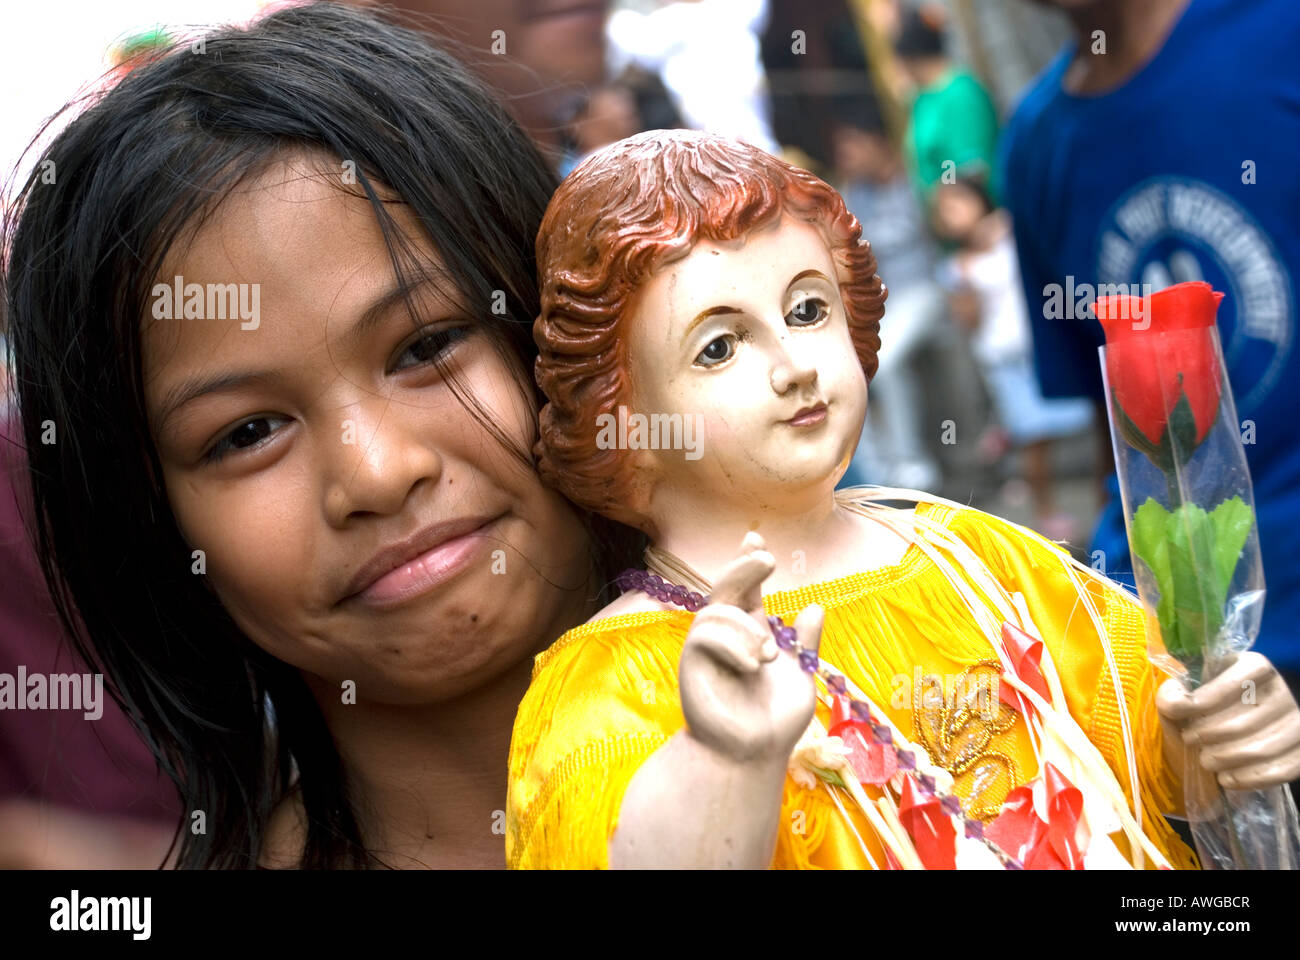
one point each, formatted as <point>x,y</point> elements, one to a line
<point>956,728</point>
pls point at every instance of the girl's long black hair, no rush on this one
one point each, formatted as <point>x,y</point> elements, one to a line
<point>141,165</point>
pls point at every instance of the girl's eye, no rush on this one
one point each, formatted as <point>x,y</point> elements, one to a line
<point>429,347</point>
<point>808,312</point>
<point>716,352</point>
<point>248,434</point>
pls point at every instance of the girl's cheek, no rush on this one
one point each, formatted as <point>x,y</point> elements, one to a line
<point>251,545</point>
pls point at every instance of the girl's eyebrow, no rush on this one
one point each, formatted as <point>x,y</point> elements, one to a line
<point>374,314</point>
<point>192,388</point>
<point>197,386</point>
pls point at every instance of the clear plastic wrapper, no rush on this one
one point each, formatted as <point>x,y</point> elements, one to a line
<point>1190,515</point>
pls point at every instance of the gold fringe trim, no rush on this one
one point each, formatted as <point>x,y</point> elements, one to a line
<point>587,788</point>
<point>804,817</point>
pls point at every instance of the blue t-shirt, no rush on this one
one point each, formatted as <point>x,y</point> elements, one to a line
<point>1190,171</point>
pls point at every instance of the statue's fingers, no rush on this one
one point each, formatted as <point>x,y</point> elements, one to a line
<point>808,627</point>
<point>1249,671</point>
<point>1174,702</point>
<point>1240,719</point>
<point>1276,739</point>
<point>741,582</point>
<point>1259,776</point>
<point>731,637</point>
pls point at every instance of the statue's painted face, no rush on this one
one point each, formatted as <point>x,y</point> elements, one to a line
<point>751,339</point>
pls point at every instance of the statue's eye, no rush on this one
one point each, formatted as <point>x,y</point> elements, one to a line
<point>716,352</point>
<point>808,312</point>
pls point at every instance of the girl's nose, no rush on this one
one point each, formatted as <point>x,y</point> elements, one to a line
<point>373,465</point>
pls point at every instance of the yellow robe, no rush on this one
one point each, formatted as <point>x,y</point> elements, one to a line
<point>604,697</point>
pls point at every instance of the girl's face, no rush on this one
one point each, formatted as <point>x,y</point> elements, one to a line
<point>355,519</point>
<point>957,211</point>
<point>751,337</point>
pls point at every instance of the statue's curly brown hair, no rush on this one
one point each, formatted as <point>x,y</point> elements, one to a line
<point>623,213</point>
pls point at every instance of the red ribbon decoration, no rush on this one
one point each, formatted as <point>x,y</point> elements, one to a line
<point>871,762</point>
<point>1017,829</point>
<point>1025,654</point>
<point>1041,845</point>
<point>932,831</point>
<point>1064,808</point>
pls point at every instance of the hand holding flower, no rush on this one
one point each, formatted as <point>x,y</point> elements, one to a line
<point>1245,723</point>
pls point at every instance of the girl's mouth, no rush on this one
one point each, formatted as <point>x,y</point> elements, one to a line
<point>449,552</point>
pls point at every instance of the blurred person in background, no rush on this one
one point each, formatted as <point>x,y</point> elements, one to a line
<point>954,126</point>
<point>655,108</point>
<point>815,59</point>
<point>536,53</point>
<point>636,101</point>
<point>707,53</point>
<point>1161,146</point>
<point>870,175</point>
<point>607,115</point>
<point>987,300</point>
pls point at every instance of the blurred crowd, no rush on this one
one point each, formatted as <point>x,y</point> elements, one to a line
<point>929,119</point>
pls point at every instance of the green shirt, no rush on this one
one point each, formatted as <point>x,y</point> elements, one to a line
<point>954,128</point>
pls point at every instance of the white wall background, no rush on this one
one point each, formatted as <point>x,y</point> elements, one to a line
<point>52,49</point>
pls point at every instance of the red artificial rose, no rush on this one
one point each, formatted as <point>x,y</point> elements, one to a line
<point>1150,373</point>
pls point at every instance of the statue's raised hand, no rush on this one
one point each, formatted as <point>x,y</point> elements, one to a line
<point>741,695</point>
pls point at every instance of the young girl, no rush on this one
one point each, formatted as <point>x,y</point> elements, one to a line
<point>268,304</point>
<point>686,278</point>
<point>983,278</point>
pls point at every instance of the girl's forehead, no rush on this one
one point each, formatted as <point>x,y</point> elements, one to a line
<point>299,228</point>
<point>283,199</point>
<point>292,262</point>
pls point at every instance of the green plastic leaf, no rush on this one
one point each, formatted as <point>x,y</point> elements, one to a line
<point>1198,599</point>
<point>1150,530</point>
<point>1192,555</point>
<point>830,776</point>
<point>1151,544</point>
<point>1232,521</point>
